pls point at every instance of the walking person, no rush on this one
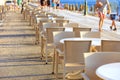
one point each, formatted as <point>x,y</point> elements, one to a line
<point>48,3</point>
<point>112,17</point>
<point>103,7</point>
<point>53,3</point>
<point>57,4</point>
<point>15,6</point>
<point>22,5</point>
<point>42,2</point>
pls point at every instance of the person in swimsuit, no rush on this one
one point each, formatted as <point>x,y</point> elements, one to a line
<point>103,7</point>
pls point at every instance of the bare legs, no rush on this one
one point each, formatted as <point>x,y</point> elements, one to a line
<point>113,24</point>
<point>119,17</point>
<point>101,21</point>
<point>100,24</point>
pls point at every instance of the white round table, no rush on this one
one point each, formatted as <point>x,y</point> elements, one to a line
<point>109,71</point>
<point>95,41</point>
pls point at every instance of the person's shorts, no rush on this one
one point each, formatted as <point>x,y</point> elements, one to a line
<point>112,16</point>
<point>57,4</point>
<point>101,14</point>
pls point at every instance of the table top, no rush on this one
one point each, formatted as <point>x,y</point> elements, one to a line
<point>95,41</point>
<point>109,71</point>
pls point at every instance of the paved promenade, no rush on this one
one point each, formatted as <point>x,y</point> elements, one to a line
<point>19,57</point>
<point>85,21</point>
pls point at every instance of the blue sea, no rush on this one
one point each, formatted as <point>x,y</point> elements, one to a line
<point>90,3</point>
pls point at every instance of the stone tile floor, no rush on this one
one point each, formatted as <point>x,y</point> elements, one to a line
<point>19,57</point>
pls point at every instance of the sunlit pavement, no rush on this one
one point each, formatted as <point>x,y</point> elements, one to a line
<point>85,21</point>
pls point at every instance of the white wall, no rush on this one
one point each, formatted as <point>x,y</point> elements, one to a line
<point>2,2</point>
